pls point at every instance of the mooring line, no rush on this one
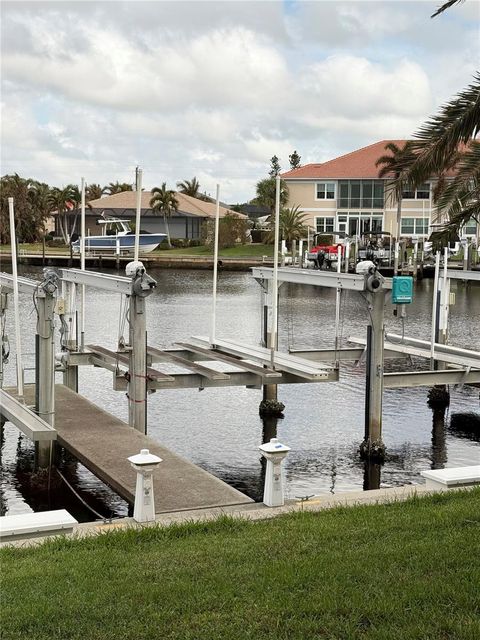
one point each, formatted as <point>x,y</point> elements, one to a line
<point>104,518</point>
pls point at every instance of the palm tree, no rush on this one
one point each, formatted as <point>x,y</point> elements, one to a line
<point>118,187</point>
<point>39,196</point>
<point>28,219</point>
<point>459,200</point>
<point>445,142</point>
<point>164,202</point>
<point>266,190</point>
<point>292,225</point>
<point>189,187</point>
<point>94,191</point>
<point>392,164</point>
<point>62,202</point>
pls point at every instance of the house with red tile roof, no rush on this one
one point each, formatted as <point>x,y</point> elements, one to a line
<point>346,194</point>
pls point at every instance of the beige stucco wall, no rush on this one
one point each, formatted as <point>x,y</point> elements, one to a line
<point>303,194</point>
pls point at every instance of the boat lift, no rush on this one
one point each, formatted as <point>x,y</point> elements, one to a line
<point>131,366</point>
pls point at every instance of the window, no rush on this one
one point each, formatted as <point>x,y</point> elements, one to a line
<point>361,194</point>
<point>414,226</point>
<point>422,193</point>
<point>421,226</point>
<point>470,229</point>
<point>325,225</point>
<point>408,226</point>
<point>325,190</point>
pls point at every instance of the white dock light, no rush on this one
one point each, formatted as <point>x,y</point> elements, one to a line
<point>144,464</point>
<point>274,452</point>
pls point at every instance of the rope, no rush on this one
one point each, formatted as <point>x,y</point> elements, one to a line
<point>99,515</point>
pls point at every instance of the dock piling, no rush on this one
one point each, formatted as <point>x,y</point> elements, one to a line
<point>372,447</point>
<point>45,372</point>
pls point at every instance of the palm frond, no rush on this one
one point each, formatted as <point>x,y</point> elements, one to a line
<point>465,182</point>
<point>445,6</point>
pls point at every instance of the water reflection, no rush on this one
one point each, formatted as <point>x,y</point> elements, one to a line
<point>220,430</point>
<point>439,438</point>
<point>371,475</point>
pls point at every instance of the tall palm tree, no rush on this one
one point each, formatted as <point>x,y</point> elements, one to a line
<point>391,166</point>
<point>164,202</point>
<point>39,196</point>
<point>447,141</point>
<point>266,190</point>
<point>61,201</point>
<point>118,187</point>
<point>94,191</point>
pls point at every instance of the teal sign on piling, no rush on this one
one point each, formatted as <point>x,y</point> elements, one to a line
<point>402,289</point>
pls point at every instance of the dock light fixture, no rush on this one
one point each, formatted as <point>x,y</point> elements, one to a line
<point>144,464</point>
<point>274,452</point>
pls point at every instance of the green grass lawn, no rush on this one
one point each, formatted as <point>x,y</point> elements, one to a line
<point>392,572</point>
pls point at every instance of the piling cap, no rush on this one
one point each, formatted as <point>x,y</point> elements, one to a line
<point>144,458</point>
<point>274,446</point>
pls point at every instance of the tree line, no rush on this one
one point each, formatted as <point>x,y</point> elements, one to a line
<point>36,201</point>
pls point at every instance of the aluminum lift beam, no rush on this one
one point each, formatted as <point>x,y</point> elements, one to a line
<point>424,352</point>
<point>158,355</point>
<point>331,355</point>
<point>25,419</point>
<point>408,379</point>
<point>114,356</point>
<point>443,348</point>
<point>347,281</point>
<point>456,274</point>
<point>120,284</point>
<point>25,285</point>
<point>235,379</point>
<point>285,362</point>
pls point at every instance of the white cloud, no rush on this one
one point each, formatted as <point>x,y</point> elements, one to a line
<point>356,87</point>
<point>215,89</point>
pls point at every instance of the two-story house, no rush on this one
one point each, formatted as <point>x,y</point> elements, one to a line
<point>346,194</point>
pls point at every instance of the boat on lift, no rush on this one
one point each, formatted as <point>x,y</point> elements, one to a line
<point>118,238</point>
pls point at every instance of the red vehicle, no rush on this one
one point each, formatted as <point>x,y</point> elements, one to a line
<point>324,253</point>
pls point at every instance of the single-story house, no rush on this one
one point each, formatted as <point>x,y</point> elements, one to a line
<point>184,223</point>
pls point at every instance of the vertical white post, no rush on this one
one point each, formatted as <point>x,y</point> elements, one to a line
<point>275,272</point>
<point>337,304</point>
<point>138,183</point>
<point>434,308</point>
<point>445,298</point>
<point>18,342</point>
<point>347,255</point>
<point>300,253</point>
<point>215,267</point>
<point>82,267</point>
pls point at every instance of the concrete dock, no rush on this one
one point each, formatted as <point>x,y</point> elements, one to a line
<point>102,443</point>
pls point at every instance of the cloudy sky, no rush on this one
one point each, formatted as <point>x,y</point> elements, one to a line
<point>214,89</point>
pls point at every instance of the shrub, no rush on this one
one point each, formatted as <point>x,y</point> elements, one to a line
<point>232,230</point>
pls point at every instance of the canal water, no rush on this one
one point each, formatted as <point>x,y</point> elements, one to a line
<point>220,429</point>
